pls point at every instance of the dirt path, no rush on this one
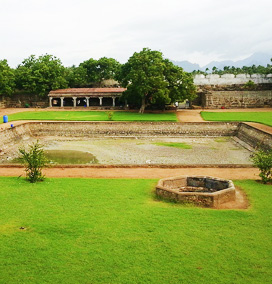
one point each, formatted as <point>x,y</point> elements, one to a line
<point>228,173</point>
<point>190,115</point>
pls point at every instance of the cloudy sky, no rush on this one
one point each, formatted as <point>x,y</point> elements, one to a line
<point>75,30</point>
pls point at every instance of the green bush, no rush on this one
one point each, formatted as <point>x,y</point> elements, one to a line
<point>263,160</point>
<point>34,160</point>
<point>110,115</point>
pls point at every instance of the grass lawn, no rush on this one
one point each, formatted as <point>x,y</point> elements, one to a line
<point>261,117</point>
<point>92,116</point>
<point>174,144</point>
<point>114,231</point>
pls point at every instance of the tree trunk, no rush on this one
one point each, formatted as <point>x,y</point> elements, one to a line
<point>142,108</point>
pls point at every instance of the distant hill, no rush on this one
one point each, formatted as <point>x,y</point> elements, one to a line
<point>255,59</point>
<point>187,66</point>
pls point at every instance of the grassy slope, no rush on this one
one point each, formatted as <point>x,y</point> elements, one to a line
<point>92,116</point>
<point>113,231</point>
<point>261,117</point>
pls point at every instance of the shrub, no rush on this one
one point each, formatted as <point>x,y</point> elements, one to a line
<point>34,160</point>
<point>250,85</point>
<point>263,160</point>
<point>110,115</point>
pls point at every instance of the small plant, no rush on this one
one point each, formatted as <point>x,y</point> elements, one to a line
<point>263,160</point>
<point>34,160</point>
<point>250,85</point>
<point>27,105</point>
<point>110,115</point>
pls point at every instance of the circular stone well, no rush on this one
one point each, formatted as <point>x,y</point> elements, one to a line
<point>200,190</point>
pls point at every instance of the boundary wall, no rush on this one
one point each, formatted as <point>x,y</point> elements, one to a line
<point>231,79</point>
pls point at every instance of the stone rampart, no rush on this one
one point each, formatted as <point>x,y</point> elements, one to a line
<point>21,100</point>
<point>237,99</point>
<point>231,79</point>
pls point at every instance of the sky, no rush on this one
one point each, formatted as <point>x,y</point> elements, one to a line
<point>199,31</point>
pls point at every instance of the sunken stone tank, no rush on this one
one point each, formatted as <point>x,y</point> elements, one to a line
<point>200,190</point>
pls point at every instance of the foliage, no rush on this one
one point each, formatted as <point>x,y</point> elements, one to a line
<point>264,117</point>
<point>34,160</point>
<point>250,85</point>
<point>263,160</point>
<point>80,230</point>
<point>91,116</point>
<point>237,70</point>
<point>76,76</point>
<point>7,78</point>
<point>110,115</point>
<point>152,80</point>
<point>99,70</point>
<point>41,75</point>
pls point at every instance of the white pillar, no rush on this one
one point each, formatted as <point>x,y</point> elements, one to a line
<point>50,102</point>
<point>61,101</point>
<point>74,98</point>
<point>87,101</point>
<point>113,101</point>
<point>100,101</point>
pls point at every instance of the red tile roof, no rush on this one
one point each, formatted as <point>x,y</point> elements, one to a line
<point>88,90</point>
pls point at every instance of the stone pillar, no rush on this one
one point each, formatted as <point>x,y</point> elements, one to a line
<point>50,102</point>
<point>100,101</point>
<point>87,101</point>
<point>61,101</point>
<point>74,98</point>
<point>113,101</point>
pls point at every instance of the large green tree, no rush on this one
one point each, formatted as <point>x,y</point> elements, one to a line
<point>41,75</point>
<point>76,76</point>
<point>7,78</point>
<point>152,80</point>
<point>100,70</point>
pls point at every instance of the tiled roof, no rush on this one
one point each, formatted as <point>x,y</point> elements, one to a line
<point>88,90</point>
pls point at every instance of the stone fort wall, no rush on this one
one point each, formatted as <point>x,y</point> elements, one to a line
<point>230,91</point>
<point>231,79</point>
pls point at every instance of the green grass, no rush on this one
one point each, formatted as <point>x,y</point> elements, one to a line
<point>261,117</point>
<point>114,231</point>
<point>92,116</point>
<point>174,144</point>
<point>222,139</point>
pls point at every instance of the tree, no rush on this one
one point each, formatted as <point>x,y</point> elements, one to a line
<point>214,69</point>
<point>263,160</point>
<point>34,160</point>
<point>152,80</point>
<point>7,78</point>
<point>76,76</point>
<point>41,75</point>
<point>100,70</point>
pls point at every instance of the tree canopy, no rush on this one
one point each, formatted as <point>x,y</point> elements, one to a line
<point>152,80</point>
<point>41,75</point>
<point>100,70</point>
<point>238,70</point>
<point>7,78</point>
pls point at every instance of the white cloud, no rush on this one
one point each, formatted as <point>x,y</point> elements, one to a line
<point>196,30</point>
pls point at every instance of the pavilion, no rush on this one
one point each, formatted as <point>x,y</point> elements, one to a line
<point>86,97</point>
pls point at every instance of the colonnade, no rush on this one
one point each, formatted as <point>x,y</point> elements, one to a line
<point>86,99</point>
